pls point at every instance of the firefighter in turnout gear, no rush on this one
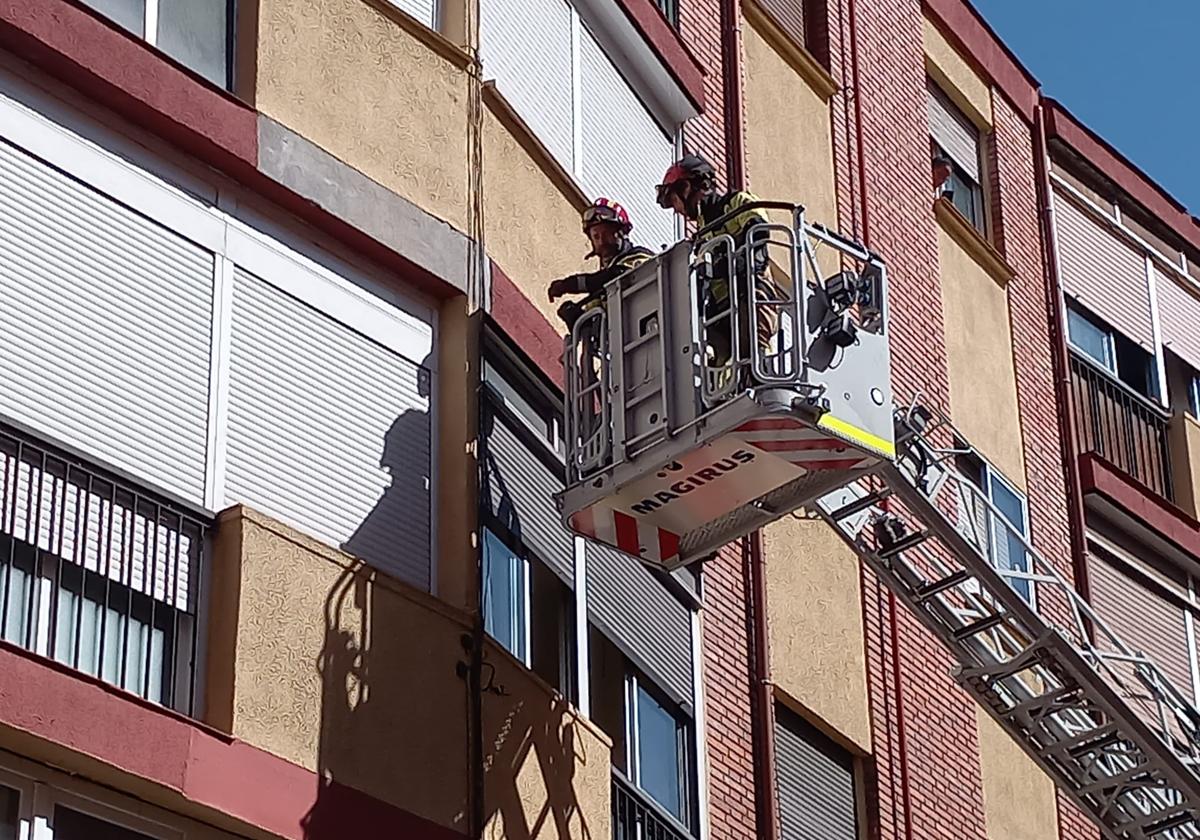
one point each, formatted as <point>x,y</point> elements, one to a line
<point>690,189</point>
<point>607,227</point>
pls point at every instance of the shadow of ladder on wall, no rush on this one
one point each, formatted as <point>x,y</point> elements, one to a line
<point>1100,718</point>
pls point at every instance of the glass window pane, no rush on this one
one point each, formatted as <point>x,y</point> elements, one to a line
<point>504,595</point>
<point>1194,396</point>
<point>10,801</point>
<point>195,32</point>
<point>1010,550</point>
<point>130,14</point>
<point>15,600</point>
<point>73,825</point>
<point>659,770</point>
<point>1089,338</point>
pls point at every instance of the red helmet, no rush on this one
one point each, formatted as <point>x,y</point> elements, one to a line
<point>605,210</point>
<point>686,169</point>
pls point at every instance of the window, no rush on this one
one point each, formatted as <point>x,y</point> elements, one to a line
<point>1091,339</point>
<point>651,740</point>
<point>75,825</point>
<point>1112,351</point>
<point>196,33</point>
<point>1194,396</point>
<point>505,596</point>
<point>10,802</point>
<point>659,753</point>
<point>999,536</point>
<point>955,138</point>
<point>815,782</point>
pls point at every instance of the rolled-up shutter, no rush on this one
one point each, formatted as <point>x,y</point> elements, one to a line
<point>328,431</point>
<point>1179,314</point>
<point>105,323</point>
<point>1102,272</point>
<point>423,10</point>
<point>625,152</point>
<point>953,132</point>
<point>815,782</point>
<point>520,490</point>
<point>525,46</point>
<point>1147,617</point>
<point>643,618</point>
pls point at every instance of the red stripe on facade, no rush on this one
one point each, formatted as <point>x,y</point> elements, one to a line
<point>767,424</point>
<point>802,445</point>
<point>627,533</point>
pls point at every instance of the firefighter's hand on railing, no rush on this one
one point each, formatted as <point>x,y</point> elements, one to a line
<point>570,312</point>
<point>569,285</point>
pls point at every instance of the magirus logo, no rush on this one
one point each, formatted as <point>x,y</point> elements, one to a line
<point>686,484</point>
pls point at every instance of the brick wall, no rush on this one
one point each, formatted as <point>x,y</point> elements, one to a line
<point>1018,236</point>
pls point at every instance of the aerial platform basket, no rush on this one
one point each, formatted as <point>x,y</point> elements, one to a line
<point>694,418</point>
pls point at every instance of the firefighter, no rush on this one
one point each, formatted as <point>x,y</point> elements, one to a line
<point>690,189</point>
<point>607,227</point>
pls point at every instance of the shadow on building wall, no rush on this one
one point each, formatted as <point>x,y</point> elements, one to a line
<point>395,717</point>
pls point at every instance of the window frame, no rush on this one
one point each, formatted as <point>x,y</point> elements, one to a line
<point>1194,396</point>
<point>1076,314</point>
<point>990,475</point>
<point>520,602</point>
<point>978,217</point>
<point>634,684</point>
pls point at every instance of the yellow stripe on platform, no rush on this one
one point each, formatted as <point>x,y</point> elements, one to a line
<point>854,434</point>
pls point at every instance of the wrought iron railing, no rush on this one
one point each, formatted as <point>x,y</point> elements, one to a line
<point>637,817</point>
<point>1121,426</point>
<point>97,573</point>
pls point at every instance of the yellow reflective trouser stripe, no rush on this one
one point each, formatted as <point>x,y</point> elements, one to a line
<point>856,435</point>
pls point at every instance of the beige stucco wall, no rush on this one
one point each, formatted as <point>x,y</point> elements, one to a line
<point>983,385</point>
<point>814,599</point>
<point>343,671</point>
<point>789,151</point>
<point>956,77</point>
<point>1019,800</point>
<point>347,76</point>
<point>1185,462</point>
<point>814,608</point>
<point>532,227</point>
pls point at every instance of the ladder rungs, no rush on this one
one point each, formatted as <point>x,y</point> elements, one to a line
<point>939,586</point>
<point>904,543</point>
<point>859,505</point>
<point>1164,820</point>
<point>1088,741</point>
<point>1118,780</point>
<point>977,627</point>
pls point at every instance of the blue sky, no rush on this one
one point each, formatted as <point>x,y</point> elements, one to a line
<point>1128,71</point>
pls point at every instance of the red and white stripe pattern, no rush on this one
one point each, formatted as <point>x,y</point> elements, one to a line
<point>799,444</point>
<point>628,533</point>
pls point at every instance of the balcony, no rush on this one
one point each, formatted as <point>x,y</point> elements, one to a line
<point>98,574</point>
<point>1121,426</point>
<point>636,817</point>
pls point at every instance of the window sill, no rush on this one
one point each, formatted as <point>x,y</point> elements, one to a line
<point>799,58</point>
<point>523,134</point>
<point>972,241</point>
<point>431,38</point>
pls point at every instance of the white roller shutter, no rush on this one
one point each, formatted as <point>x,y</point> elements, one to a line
<point>525,46</point>
<point>1179,314</point>
<point>625,152</point>
<point>1102,272</point>
<point>953,132</point>
<point>328,431</point>
<point>423,10</point>
<point>105,326</point>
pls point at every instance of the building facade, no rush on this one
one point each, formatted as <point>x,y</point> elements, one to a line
<point>281,419</point>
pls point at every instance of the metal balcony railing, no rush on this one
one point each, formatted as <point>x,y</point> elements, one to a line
<point>1120,425</point>
<point>636,817</point>
<point>98,574</point>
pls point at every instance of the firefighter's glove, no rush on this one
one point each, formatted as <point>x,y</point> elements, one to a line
<point>566,286</point>
<point>570,312</point>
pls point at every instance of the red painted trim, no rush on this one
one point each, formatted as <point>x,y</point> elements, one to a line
<point>1099,476</point>
<point>1062,125</point>
<point>982,45</point>
<point>668,46</point>
<point>87,717</point>
<point>527,326</point>
<point>108,64</point>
